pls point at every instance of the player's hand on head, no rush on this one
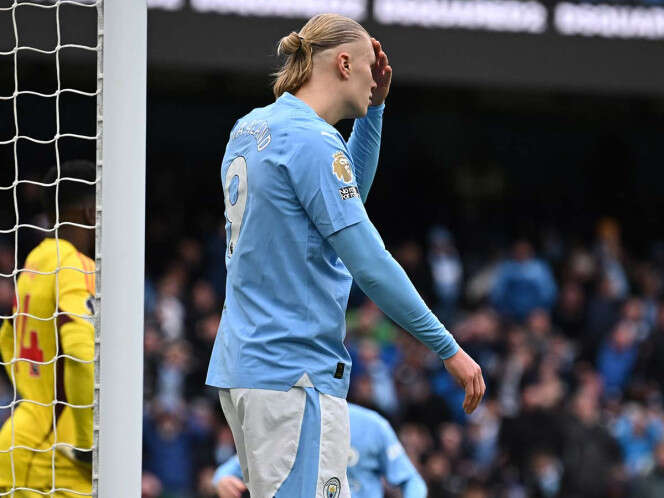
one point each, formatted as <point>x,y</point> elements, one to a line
<point>469,374</point>
<point>382,74</point>
<point>230,487</point>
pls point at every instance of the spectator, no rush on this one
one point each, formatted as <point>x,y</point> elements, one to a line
<point>617,357</point>
<point>590,455</point>
<point>523,284</point>
<point>171,442</point>
<point>446,272</point>
<point>638,433</point>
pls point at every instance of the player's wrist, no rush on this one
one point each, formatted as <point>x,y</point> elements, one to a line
<point>450,349</point>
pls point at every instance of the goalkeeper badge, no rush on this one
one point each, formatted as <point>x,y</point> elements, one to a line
<point>332,488</point>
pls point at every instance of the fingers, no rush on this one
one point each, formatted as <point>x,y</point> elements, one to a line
<point>381,56</point>
<point>230,487</point>
<point>470,396</point>
<point>478,390</point>
<point>383,59</point>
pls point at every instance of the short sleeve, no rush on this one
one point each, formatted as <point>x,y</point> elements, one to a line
<point>322,176</point>
<point>395,464</point>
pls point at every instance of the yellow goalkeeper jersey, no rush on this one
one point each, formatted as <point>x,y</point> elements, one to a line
<point>55,301</point>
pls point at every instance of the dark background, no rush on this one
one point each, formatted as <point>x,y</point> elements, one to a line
<point>490,134</point>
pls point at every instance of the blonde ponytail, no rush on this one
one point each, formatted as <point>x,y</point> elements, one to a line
<point>319,33</point>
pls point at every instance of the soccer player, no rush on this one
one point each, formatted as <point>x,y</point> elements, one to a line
<point>297,233</point>
<point>55,304</point>
<point>375,453</point>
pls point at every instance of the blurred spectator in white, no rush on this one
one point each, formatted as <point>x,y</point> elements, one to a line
<point>172,374</point>
<point>523,283</point>
<point>170,310</point>
<point>447,273</point>
<point>520,358</point>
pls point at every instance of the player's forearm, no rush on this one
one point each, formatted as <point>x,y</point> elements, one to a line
<point>230,468</point>
<point>384,281</point>
<point>78,342</point>
<point>415,487</point>
<point>364,147</point>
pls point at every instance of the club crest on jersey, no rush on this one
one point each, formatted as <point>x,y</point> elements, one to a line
<point>341,167</point>
<point>332,488</point>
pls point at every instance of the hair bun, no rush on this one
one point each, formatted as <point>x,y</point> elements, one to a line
<point>289,44</point>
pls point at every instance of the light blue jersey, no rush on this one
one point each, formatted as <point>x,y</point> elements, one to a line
<point>376,453</point>
<point>289,182</point>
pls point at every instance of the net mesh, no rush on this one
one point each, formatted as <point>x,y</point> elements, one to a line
<point>16,13</point>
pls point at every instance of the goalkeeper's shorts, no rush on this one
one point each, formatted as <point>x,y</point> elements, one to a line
<point>292,444</point>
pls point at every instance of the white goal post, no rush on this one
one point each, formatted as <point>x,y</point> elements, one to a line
<point>120,247</point>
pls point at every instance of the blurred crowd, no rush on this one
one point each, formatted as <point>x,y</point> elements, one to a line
<point>570,337</point>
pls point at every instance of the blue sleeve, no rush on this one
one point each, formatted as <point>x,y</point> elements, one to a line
<point>230,468</point>
<point>395,465</point>
<point>324,182</point>
<point>382,279</point>
<point>415,487</point>
<point>364,147</point>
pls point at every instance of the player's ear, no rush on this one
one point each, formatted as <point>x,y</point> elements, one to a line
<point>343,65</point>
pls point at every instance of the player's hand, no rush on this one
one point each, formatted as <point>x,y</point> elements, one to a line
<point>382,75</point>
<point>230,487</point>
<point>469,374</point>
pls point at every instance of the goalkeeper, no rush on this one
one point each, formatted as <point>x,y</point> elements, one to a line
<point>43,448</point>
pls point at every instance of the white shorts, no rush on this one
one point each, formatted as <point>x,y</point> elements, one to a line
<point>292,444</point>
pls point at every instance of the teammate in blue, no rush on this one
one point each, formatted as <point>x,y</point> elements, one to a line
<point>375,453</point>
<point>297,234</point>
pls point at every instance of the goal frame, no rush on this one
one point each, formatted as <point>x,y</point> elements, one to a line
<point>120,247</point>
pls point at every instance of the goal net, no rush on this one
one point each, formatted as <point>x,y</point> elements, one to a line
<point>75,90</point>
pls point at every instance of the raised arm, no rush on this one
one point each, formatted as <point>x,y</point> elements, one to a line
<point>364,148</point>
<point>383,280</point>
<point>364,142</point>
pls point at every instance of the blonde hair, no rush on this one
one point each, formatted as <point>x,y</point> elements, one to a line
<point>321,32</point>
